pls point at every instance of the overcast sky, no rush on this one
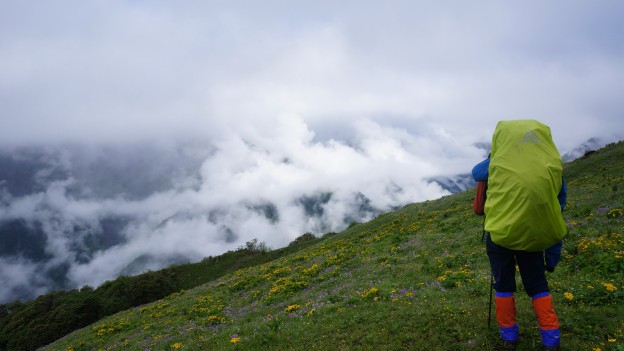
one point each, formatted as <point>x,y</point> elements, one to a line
<point>119,70</point>
<point>255,103</point>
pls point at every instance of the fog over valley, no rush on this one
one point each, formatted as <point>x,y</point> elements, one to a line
<point>81,214</point>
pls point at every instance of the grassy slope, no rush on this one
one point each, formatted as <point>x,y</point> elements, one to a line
<point>414,279</point>
<point>32,324</point>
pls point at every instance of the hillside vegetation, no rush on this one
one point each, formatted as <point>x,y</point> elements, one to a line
<point>413,279</point>
<point>32,324</point>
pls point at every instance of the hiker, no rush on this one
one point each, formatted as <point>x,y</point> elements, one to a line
<point>524,225</point>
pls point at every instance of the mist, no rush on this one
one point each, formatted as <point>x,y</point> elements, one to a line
<point>76,215</point>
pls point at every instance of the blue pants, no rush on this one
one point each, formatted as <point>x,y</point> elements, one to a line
<point>532,271</point>
<point>503,262</point>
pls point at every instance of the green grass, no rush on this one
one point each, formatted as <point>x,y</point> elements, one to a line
<point>413,279</point>
<point>26,326</point>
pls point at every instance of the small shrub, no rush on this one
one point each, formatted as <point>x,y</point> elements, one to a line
<point>255,246</point>
<point>303,238</point>
<point>353,224</point>
<point>328,234</point>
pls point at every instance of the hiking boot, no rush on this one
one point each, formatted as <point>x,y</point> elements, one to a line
<point>551,348</point>
<point>509,344</point>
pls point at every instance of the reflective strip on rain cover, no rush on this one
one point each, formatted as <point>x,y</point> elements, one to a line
<point>524,178</point>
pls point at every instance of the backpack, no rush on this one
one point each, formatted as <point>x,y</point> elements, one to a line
<point>524,178</point>
<point>478,204</point>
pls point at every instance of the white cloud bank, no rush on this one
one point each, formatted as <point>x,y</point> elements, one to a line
<point>272,186</point>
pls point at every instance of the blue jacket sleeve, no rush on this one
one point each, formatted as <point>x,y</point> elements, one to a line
<point>552,255</point>
<point>480,171</point>
<point>563,194</point>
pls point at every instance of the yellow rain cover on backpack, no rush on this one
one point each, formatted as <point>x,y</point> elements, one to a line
<point>524,178</point>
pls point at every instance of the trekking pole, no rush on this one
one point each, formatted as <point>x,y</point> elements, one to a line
<point>490,309</point>
<point>491,283</point>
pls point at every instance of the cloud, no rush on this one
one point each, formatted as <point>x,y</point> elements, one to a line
<point>22,279</point>
<point>129,70</point>
<point>173,132</point>
<point>270,184</point>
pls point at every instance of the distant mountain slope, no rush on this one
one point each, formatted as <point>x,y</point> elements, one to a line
<point>463,182</point>
<point>413,279</point>
<point>456,184</point>
<point>590,145</point>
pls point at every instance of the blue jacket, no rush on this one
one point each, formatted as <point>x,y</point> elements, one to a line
<point>553,253</point>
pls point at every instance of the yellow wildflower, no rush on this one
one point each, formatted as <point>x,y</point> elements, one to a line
<point>568,296</point>
<point>235,338</point>
<point>292,308</point>
<point>213,319</point>
<point>372,292</point>
<point>609,286</point>
<point>176,346</point>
